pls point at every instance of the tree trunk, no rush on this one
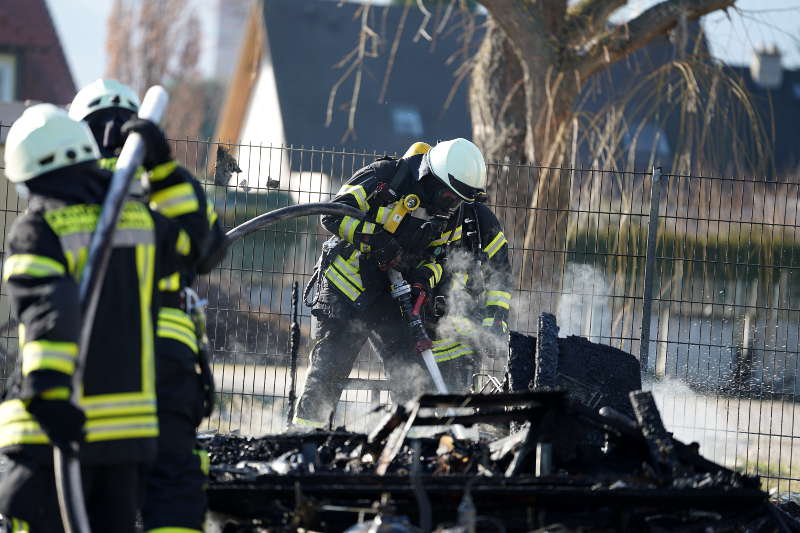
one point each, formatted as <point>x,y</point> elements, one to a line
<point>497,100</point>
<point>506,96</point>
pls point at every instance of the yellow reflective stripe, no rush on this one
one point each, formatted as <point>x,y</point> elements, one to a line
<point>494,246</point>
<point>440,345</point>
<point>347,228</point>
<point>107,163</point>
<point>358,193</point>
<point>437,272</point>
<point>162,171</point>
<point>37,266</point>
<point>445,237</point>
<point>145,267</point>
<point>306,422</point>
<point>178,334</point>
<point>499,299</point>
<point>17,425</point>
<point>118,405</point>
<point>489,322</point>
<point>383,215</point>
<point>498,303</point>
<point>19,526</point>
<point>132,427</point>
<point>462,324</point>
<point>369,228</point>
<point>211,215</point>
<point>349,272</point>
<point>453,352</point>
<point>363,247</point>
<point>341,283</point>
<point>110,163</point>
<point>172,315</point>
<point>175,201</point>
<point>57,393</point>
<point>170,283</point>
<point>49,355</point>
<point>205,460</point>
<point>184,244</point>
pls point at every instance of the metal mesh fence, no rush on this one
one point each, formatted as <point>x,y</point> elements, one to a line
<point>715,282</point>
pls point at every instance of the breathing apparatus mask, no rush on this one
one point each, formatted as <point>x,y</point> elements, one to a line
<point>106,125</point>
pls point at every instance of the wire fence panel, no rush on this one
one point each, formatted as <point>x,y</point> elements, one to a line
<point>724,325</point>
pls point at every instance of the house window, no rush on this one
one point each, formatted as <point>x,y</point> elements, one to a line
<point>407,121</point>
<point>8,77</point>
<point>647,138</point>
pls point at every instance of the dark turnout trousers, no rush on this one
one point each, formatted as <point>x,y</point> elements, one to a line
<point>112,492</point>
<point>340,331</point>
<point>175,486</point>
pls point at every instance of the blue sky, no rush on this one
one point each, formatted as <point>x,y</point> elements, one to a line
<point>732,37</point>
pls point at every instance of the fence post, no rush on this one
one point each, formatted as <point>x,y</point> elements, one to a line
<point>649,269</point>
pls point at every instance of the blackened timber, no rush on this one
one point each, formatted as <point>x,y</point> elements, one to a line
<point>545,371</point>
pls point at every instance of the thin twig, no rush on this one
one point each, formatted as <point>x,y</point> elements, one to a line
<point>422,31</point>
<point>393,53</point>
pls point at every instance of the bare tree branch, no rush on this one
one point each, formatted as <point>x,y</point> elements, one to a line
<point>587,18</point>
<point>423,31</point>
<point>525,23</point>
<point>393,53</point>
<point>629,37</point>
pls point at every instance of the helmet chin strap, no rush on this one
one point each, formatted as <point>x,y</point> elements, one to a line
<point>111,135</point>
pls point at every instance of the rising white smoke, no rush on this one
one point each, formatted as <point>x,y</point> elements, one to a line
<point>756,436</point>
<point>583,308</point>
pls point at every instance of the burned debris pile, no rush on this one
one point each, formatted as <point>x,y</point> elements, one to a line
<point>569,465</point>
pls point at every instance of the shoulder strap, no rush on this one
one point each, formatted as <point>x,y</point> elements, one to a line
<point>399,176</point>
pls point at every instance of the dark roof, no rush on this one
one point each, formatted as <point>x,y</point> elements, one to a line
<point>307,38</point>
<point>779,109</point>
<point>27,31</point>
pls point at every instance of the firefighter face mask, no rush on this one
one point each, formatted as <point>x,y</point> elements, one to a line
<point>439,199</point>
<point>106,125</point>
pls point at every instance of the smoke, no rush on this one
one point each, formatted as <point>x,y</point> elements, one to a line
<point>583,309</point>
<point>755,436</point>
<point>461,304</point>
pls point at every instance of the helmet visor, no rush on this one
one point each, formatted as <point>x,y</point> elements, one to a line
<point>439,198</point>
<point>467,193</point>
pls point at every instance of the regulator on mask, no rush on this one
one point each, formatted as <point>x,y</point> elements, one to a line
<point>106,125</point>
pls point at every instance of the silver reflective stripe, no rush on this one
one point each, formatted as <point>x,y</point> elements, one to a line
<point>116,405</point>
<point>122,427</point>
<point>74,242</point>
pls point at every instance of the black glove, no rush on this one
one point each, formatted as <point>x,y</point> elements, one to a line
<point>385,249</point>
<point>61,420</point>
<point>207,382</point>
<point>157,149</point>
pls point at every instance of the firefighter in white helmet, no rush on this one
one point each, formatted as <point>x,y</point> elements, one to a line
<point>53,160</point>
<point>175,495</point>
<point>410,203</point>
<point>467,318</point>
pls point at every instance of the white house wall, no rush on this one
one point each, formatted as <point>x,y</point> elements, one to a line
<point>262,128</point>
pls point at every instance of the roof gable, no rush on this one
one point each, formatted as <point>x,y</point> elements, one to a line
<point>27,31</point>
<point>307,38</point>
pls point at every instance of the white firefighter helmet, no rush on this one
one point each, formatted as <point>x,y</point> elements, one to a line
<point>44,138</point>
<point>459,164</point>
<point>102,94</point>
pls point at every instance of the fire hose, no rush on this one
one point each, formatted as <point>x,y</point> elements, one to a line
<point>412,312</point>
<point>401,291</point>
